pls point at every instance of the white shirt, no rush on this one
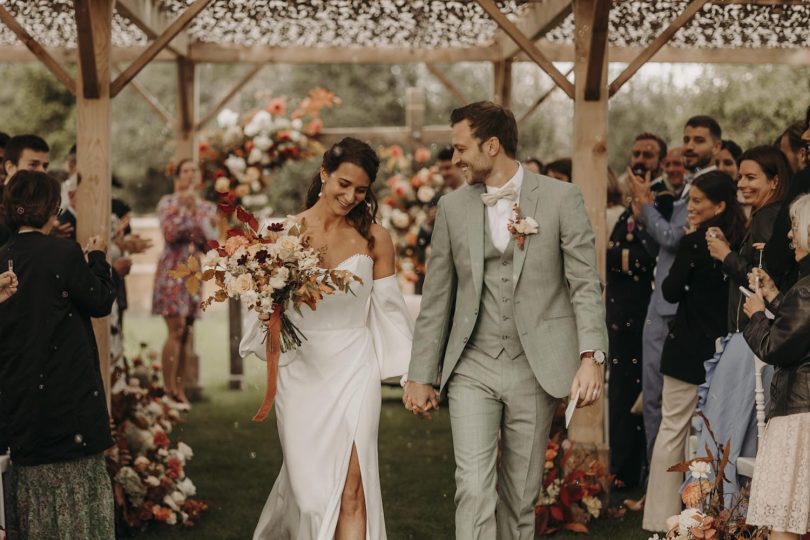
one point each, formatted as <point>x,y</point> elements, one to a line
<point>499,214</point>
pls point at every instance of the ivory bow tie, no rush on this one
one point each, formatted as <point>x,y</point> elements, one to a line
<point>490,199</point>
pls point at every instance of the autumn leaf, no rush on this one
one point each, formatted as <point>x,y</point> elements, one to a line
<point>576,527</point>
<point>247,218</point>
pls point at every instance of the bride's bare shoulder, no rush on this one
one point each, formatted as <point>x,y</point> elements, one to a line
<point>383,244</point>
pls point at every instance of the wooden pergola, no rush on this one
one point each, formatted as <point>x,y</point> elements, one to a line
<point>98,36</point>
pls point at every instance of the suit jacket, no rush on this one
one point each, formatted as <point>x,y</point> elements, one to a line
<point>557,294</point>
<point>52,403</point>
<point>695,283</point>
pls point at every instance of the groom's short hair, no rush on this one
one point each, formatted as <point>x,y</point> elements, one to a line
<point>488,120</point>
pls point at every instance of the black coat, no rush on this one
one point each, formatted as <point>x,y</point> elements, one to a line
<point>785,343</point>
<point>738,264</point>
<point>630,263</point>
<point>52,403</point>
<point>697,283</point>
<point>779,260</point>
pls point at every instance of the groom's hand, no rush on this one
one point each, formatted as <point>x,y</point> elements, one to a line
<point>588,381</point>
<point>420,399</point>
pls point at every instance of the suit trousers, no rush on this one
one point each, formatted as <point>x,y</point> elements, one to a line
<point>495,497</point>
<point>655,333</point>
<point>663,490</point>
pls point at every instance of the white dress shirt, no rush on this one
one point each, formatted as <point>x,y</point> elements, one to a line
<point>499,214</point>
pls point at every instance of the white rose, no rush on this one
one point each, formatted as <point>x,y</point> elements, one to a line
<point>187,487</point>
<point>262,142</point>
<point>425,193</point>
<point>399,219</point>
<point>282,123</point>
<point>179,498</point>
<point>279,278</point>
<point>249,298</point>
<point>255,155</point>
<point>222,185</point>
<point>227,118</point>
<point>295,136</point>
<point>289,242</point>
<point>172,519</point>
<point>232,136</point>
<point>244,283</point>
<point>163,452</point>
<point>235,164</point>
<point>210,259</point>
<point>169,501</point>
<point>700,469</point>
<point>152,481</point>
<point>526,226</point>
<point>297,124</point>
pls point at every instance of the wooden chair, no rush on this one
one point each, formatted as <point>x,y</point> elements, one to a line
<point>745,465</point>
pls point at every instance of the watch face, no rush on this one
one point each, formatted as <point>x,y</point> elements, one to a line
<point>599,357</point>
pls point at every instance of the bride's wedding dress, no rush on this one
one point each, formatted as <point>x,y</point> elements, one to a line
<point>328,399</point>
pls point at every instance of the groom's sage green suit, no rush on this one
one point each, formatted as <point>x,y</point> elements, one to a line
<point>502,332</point>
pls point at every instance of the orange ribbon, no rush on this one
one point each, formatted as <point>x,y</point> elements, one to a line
<point>273,350</point>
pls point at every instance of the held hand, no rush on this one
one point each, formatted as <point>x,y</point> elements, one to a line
<point>588,381</point>
<point>8,285</point>
<point>122,266</point>
<point>718,245</point>
<point>420,399</point>
<point>95,243</point>
<point>760,278</point>
<point>753,304</point>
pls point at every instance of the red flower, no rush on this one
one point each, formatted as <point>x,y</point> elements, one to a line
<point>161,439</point>
<point>175,468</point>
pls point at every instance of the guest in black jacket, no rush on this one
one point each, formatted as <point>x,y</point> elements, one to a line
<point>697,283</point>
<point>53,412</point>
<point>780,492</point>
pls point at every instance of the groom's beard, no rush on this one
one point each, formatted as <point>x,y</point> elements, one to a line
<point>477,176</point>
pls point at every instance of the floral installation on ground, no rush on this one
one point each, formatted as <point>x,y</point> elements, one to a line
<point>706,517</point>
<point>150,484</point>
<point>409,196</point>
<point>271,270</point>
<point>238,158</point>
<point>574,490</point>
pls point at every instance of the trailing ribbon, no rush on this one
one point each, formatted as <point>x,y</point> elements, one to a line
<point>273,349</point>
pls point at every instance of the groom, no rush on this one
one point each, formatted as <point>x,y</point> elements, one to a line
<point>510,322</point>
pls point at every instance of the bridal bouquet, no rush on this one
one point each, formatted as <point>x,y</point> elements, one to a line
<point>271,270</point>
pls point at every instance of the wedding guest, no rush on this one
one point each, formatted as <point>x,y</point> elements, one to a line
<point>780,491</point>
<point>28,152</point>
<point>615,201</point>
<point>53,412</point>
<point>647,153</point>
<point>795,149</point>
<point>779,259</point>
<point>727,397</point>
<point>630,267</point>
<point>560,169</point>
<point>727,159</point>
<point>187,223</point>
<point>674,171</point>
<point>453,179</point>
<point>4,138</point>
<point>701,138</point>
<point>697,284</point>
<point>533,164</point>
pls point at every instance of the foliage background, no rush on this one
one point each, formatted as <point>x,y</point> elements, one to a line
<point>753,104</point>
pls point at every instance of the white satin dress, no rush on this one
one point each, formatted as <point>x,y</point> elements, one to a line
<point>328,398</point>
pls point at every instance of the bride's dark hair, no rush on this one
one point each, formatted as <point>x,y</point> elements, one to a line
<point>351,150</point>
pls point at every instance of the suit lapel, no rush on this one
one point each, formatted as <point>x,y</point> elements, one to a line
<point>529,195</point>
<point>475,230</point>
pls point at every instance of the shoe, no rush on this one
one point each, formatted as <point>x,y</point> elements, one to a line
<point>634,505</point>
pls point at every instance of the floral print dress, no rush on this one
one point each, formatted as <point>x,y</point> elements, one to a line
<point>187,224</point>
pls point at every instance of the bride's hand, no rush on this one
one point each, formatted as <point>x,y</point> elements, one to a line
<point>420,399</point>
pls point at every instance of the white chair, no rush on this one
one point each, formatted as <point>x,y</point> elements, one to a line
<point>4,461</point>
<point>745,465</point>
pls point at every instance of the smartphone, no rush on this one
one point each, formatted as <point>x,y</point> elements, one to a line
<point>748,293</point>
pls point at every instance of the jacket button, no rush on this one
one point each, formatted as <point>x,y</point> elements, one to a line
<point>464,340</point>
<point>64,294</point>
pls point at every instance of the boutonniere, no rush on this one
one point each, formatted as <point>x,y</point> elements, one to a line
<point>521,227</point>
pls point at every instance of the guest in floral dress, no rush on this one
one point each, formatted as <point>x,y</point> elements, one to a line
<point>187,223</point>
<point>53,412</point>
<point>780,490</point>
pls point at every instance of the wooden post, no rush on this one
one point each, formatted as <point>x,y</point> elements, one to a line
<point>188,102</point>
<point>93,134</point>
<point>236,380</point>
<point>590,174</point>
<point>502,82</point>
<point>415,115</point>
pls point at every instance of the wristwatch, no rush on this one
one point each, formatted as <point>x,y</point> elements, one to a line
<point>598,357</point>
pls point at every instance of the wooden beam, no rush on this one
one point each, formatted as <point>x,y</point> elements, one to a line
<point>146,15</point>
<point>87,55</point>
<point>538,20</point>
<point>93,150</point>
<point>415,115</point>
<point>62,55</point>
<point>541,99</point>
<point>386,135</point>
<point>596,57</point>
<point>252,72</point>
<point>502,83</point>
<point>37,50</point>
<point>447,83</point>
<point>527,46</point>
<point>188,98</point>
<point>152,101</point>
<point>655,46</point>
<point>156,46</point>
<point>260,54</point>
<point>590,174</point>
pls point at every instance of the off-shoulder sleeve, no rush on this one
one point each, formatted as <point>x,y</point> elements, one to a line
<point>253,335</point>
<point>391,327</point>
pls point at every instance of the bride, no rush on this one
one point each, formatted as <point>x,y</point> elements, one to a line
<point>328,398</point>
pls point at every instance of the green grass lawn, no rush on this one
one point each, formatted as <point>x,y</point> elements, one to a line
<point>236,461</point>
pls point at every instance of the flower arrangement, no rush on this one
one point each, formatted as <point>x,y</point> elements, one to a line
<point>521,227</point>
<point>271,270</point>
<point>238,158</point>
<point>706,515</point>
<point>149,479</point>
<point>408,203</point>
<point>573,492</point>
